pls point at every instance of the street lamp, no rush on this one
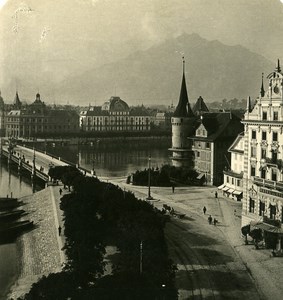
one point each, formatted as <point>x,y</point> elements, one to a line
<point>149,195</point>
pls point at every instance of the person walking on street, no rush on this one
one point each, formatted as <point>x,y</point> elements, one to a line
<point>60,191</point>
<point>210,219</point>
<point>216,194</point>
<point>215,221</point>
<point>59,230</point>
<point>204,210</point>
<point>173,189</point>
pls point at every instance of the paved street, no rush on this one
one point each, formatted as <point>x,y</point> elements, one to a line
<point>213,262</point>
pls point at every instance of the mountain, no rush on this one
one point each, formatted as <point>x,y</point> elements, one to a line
<point>213,70</point>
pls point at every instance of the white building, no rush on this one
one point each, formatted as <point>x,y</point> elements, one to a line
<point>233,177</point>
<point>263,154</point>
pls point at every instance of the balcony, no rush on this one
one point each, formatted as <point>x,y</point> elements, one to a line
<point>278,185</point>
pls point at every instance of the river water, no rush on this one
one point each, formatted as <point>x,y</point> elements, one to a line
<point>120,159</point>
<point>11,185</point>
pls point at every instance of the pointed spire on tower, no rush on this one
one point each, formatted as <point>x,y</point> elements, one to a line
<point>183,108</point>
<point>262,91</point>
<point>278,68</point>
<point>249,105</point>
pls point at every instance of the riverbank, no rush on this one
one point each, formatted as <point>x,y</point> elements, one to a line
<point>39,250</point>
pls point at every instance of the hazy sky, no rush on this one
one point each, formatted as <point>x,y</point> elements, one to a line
<point>56,38</point>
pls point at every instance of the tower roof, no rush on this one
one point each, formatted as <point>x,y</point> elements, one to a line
<point>200,106</point>
<point>262,91</point>
<point>183,108</point>
<point>17,102</point>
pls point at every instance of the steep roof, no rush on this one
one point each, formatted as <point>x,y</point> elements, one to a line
<point>219,125</point>
<point>200,106</point>
<point>183,108</point>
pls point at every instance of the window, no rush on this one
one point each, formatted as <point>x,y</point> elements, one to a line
<point>263,153</point>
<point>238,182</point>
<point>264,115</point>
<point>207,145</point>
<point>227,179</point>
<point>261,208</point>
<point>274,156</point>
<point>253,151</point>
<point>272,211</point>
<point>275,115</point>
<point>263,173</point>
<point>275,136</point>
<point>251,206</point>
<point>252,171</point>
<point>274,175</point>
<point>253,134</point>
<point>263,135</point>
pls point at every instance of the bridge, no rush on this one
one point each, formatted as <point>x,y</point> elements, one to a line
<point>36,162</point>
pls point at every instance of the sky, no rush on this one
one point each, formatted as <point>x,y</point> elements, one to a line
<point>55,39</point>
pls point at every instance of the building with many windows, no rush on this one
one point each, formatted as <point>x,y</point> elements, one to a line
<point>213,136</point>
<point>115,115</point>
<point>38,120</point>
<point>263,154</point>
<point>233,175</point>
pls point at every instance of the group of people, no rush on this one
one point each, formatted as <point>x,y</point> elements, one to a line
<point>210,220</point>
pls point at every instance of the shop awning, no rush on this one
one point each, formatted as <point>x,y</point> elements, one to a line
<point>225,189</point>
<point>221,186</point>
<point>267,227</point>
<point>230,191</point>
<point>201,176</point>
<point>237,192</point>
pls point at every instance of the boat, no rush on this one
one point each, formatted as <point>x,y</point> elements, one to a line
<point>15,228</point>
<point>9,215</point>
<point>10,204</point>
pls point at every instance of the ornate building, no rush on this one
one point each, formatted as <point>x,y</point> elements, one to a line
<point>115,115</point>
<point>37,120</point>
<point>263,153</point>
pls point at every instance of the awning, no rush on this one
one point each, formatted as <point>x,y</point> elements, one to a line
<point>231,191</point>
<point>201,176</point>
<point>225,189</point>
<point>221,186</point>
<point>267,227</point>
<point>237,192</point>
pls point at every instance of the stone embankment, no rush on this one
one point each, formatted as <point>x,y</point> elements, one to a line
<point>39,250</point>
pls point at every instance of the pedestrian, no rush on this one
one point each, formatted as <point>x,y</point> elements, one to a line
<point>60,191</point>
<point>204,210</point>
<point>209,219</point>
<point>59,230</point>
<point>173,189</point>
<point>215,221</point>
<point>216,194</point>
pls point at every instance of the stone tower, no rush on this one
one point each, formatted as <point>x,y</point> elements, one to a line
<point>182,122</point>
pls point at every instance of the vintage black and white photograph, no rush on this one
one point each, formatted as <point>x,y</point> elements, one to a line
<point>141,149</point>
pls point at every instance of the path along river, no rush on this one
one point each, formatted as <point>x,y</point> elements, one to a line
<point>107,160</point>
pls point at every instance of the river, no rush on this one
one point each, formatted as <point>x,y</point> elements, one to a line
<point>108,159</point>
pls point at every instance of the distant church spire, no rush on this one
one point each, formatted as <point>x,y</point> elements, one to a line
<point>183,108</point>
<point>262,91</point>
<point>278,69</point>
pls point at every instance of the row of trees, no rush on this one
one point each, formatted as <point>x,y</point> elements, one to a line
<point>166,176</point>
<point>97,214</point>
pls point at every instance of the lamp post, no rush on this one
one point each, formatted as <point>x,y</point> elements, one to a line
<point>149,195</point>
<point>141,257</point>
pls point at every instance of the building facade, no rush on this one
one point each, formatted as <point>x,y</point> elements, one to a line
<point>213,137</point>
<point>38,120</point>
<point>232,186</point>
<point>115,115</point>
<point>263,154</point>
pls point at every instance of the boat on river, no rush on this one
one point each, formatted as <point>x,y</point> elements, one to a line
<point>15,228</point>
<point>7,216</point>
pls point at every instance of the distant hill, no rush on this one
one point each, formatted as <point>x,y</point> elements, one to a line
<point>213,70</point>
